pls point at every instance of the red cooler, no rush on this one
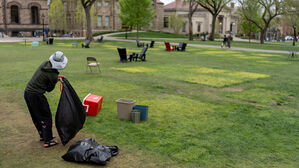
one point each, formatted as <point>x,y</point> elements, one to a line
<point>92,104</point>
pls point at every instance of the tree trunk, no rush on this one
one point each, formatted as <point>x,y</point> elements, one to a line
<point>88,24</point>
<point>5,17</point>
<point>113,14</point>
<point>137,34</point>
<point>190,28</point>
<point>212,36</point>
<point>263,33</point>
<point>249,33</point>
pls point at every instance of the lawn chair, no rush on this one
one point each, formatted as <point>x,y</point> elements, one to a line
<point>123,55</point>
<point>181,47</point>
<point>92,62</point>
<point>100,39</point>
<point>169,47</point>
<point>152,44</point>
<point>139,44</point>
<point>86,45</point>
<point>141,55</point>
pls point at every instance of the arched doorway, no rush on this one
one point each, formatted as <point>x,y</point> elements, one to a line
<point>14,12</point>
<point>34,15</point>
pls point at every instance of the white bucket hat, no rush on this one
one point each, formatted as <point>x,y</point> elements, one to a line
<point>58,60</point>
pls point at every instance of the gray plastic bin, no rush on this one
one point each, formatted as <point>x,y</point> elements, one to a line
<point>124,108</point>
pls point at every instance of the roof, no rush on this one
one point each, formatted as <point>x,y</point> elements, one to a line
<point>175,4</point>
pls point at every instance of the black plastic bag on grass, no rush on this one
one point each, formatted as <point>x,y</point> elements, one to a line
<point>70,115</point>
<point>89,151</point>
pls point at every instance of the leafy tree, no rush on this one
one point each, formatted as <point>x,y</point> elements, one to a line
<point>176,23</point>
<point>136,13</point>
<point>267,11</point>
<point>214,7</point>
<point>291,16</point>
<point>87,4</point>
<point>192,8</point>
<point>246,26</point>
<point>57,15</point>
<point>80,15</point>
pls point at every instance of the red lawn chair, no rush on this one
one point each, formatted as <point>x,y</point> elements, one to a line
<point>168,47</point>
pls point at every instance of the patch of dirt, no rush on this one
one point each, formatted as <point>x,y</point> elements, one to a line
<point>20,145</point>
<point>233,89</point>
<point>252,103</point>
<point>180,91</point>
<point>278,103</point>
<point>256,104</point>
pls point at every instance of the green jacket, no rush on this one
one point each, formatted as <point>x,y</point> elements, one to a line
<point>44,79</point>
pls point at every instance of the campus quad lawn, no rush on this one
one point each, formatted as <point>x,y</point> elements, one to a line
<point>160,36</point>
<point>207,107</point>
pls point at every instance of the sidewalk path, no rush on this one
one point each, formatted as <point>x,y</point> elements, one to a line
<point>109,37</point>
<point>29,39</point>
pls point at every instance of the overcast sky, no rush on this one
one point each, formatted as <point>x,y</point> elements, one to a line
<point>166,1</point>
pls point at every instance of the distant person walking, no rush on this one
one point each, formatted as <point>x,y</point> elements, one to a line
<point>44,80</point>
<point>224,42</point>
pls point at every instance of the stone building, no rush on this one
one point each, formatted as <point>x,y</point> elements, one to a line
<point>107,16</point>
<point>23,17</point>
<point>202,19</point>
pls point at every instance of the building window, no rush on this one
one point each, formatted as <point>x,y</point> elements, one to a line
<point>165,22</point>
<point>106,3</point>
<point>34,15</point>
<point>107,21</point>
<point>99,21</point>
<point>198,27</point>
<point>99,3</point>
<point>14,11</point>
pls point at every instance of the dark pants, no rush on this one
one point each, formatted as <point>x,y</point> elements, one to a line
<point>40,112</point>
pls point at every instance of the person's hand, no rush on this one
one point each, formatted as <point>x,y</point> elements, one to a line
<point>60,78</point>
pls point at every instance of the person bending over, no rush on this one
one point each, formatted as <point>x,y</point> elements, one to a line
<point>44,80</point>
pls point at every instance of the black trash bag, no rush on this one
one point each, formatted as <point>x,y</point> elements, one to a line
<point>70,115</point>
<point>89,151</point>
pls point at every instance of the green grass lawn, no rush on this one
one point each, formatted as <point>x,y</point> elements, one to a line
<point>284,46</point>
<point>207,107</point>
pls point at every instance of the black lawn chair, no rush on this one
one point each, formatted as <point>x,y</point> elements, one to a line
<point>181,47</point>
<point>86,45</point>
<point>139,44</point>
<point>152,44</point>
<point>123,55</point>
<point>100,39</point>
<point>141,55</point>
